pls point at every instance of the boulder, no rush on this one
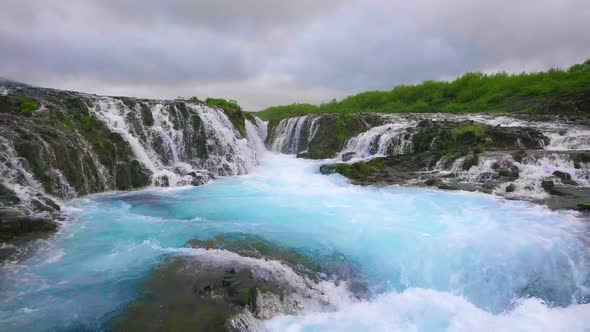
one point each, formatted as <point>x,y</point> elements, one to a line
<point>510,188</point>
<point>548,185</point>
<point>563,175</point>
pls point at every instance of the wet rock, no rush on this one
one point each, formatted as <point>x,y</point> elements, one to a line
<point>563,175</point>
<point>14,223</point>
<point>205,293</point>
<point>328,169</point>
<point>581,159</point>
<point>470,161</point>
<point>162,181</point>
<point>430,182</point>
<point>548,185</point>
<point>510,188</point>
<point>347,156</point>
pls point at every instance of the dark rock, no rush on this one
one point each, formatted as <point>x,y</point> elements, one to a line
<point>470,161</point>
<point>162,181</point>
<point>14,223</point>
<point>509,174</point>
<point>347,156</point>
<point>562,175</point>
<point>547,185</point>
<point>580,159</point>
<point>430,182</point>
<point>191,293</point>
<point>510,188</point>
<point>328,169</point>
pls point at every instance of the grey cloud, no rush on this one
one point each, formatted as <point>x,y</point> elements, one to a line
<point>268,51</point>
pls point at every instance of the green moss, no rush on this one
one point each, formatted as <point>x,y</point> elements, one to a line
<point>584,207</point>
<point>68,123</point>
<point>18,103</point>
<point>233,111</point>
<point>473,129</point>
<point>360,170</point>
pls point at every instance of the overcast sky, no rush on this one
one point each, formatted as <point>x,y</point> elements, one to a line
<point>268,52</point>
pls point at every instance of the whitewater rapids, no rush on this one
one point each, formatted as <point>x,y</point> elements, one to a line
<point>434,260</point>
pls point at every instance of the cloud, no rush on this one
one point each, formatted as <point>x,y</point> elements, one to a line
<point>264,52</point>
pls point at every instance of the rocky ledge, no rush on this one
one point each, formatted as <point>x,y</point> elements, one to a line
<point>465,155</point>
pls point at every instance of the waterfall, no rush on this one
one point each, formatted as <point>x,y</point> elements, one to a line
<point>532,169</point>
<point>256,133</point>
<point>180,143</point>
<point>292,135</point>
<point>390,139</point>
<point>16,177</point>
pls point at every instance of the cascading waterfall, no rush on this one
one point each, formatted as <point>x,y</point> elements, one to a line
<point>390,139</point>
<point>180,143</point>
<point>394,137</point>
<point>16,177</point>
<point>292,135</point>
<point>532,169</point>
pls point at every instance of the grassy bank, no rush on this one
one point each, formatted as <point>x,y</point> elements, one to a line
<point>470,93</point>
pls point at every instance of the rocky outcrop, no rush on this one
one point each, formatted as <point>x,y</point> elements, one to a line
<point>58,145</point>
<point>235,281</point>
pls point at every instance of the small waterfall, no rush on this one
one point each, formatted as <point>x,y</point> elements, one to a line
<point>180,143</point>
<point>16,177</point>
<point>292,135</point>
<point>262,128</point>
<point>256,136</point>
<point>529,171</point>
<point>227,154</point>
<point>390,139</point>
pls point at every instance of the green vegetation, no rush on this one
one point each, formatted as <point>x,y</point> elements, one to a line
<point>360,170</point>
<point>231,108</point>
<point>476,130</point>
<point>470,93</point>
<point>20,103</point>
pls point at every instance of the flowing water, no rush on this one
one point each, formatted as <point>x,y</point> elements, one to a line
<point>433,260</point>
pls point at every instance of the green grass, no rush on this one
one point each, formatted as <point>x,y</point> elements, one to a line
<point>470,93</point>
<point>28,105</point>
<point>232,109</point>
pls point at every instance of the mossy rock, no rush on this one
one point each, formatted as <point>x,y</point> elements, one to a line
<point>18,104</point>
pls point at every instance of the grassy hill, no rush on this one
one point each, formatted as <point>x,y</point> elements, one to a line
<point>552,91</point>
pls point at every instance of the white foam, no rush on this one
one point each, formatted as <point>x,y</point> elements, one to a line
<point>429,310</point>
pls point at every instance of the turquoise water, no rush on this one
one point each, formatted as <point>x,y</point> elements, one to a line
<point>434,260</point>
